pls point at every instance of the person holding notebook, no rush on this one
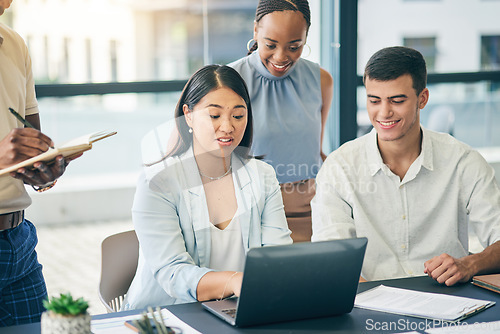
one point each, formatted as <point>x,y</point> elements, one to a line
<point>22,286</point>
<point>411,191</point>
<point>291,97</point>
<point>198,210</point>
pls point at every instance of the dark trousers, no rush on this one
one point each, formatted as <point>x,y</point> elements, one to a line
<point>22,286</point>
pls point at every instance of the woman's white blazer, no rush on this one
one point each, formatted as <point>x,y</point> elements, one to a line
<point>171,220</point>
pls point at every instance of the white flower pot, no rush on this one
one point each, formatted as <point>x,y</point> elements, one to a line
<point>60,324</point>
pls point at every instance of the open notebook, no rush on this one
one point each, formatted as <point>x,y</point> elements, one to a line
<point>68,149</point>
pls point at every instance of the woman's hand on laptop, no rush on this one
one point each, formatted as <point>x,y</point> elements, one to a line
<point>218,285</point>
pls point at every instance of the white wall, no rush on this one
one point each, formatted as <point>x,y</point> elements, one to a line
<point>457,24</point>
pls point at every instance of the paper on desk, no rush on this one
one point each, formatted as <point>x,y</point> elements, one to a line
<point>419,304</point>
<point>492,327</point>
<point>117,325</point>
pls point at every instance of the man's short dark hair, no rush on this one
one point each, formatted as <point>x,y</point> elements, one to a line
<point>392,62</point>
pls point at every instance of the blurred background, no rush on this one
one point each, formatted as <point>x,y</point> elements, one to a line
<point>121,64</point>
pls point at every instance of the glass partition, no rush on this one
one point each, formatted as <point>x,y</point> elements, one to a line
<point>83,41</point>
<point>102,41</point>
<point>131,115</point>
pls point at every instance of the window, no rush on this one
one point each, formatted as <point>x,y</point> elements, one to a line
<point>426,46</point>
<point>43,69</point>
<point>127,41</point>
<point>64,67</point>
<point>490,52</point>
<point>467,110</point>
<point>88,59</point>
<point>113,54</point>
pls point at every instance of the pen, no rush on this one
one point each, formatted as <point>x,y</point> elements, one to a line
<point>21,119</point>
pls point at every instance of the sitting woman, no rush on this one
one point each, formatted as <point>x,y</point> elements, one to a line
<point>197,211</point>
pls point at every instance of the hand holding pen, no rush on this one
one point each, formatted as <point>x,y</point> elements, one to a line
<point>24,143</point>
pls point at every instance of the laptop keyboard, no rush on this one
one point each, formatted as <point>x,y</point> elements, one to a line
<point>230,312</point>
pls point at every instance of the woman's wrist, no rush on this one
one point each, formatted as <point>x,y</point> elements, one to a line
<point>235,284</point>
<point>226,285</point>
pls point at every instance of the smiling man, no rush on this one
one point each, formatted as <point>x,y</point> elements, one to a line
<point>412,192</point>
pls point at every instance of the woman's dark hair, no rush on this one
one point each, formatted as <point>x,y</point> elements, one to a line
<point>202,82</point>
<point>270,6</point>
<point>392,62</point>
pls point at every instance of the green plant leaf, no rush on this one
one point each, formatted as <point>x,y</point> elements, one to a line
<point>66,305</point>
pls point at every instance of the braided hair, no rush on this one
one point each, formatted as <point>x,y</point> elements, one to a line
<point>270,6</point>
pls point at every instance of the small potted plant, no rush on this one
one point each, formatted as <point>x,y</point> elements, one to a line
<point>65,315</point>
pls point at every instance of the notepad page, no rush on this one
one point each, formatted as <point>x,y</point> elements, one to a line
<point>116,325</point>
<point>417,303</point>
<point>86,139</point>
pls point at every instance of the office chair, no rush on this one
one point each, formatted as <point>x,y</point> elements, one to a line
<point>120,253</point>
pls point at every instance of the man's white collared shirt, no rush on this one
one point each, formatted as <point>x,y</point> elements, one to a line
<point>409,221</point>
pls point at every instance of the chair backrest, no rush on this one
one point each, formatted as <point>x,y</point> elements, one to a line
<point>120,253</point>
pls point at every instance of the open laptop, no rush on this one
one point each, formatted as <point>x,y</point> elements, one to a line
<point>292,282</point>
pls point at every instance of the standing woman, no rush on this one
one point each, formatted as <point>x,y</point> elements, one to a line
<point>291,98</point>
<point>197,211</point>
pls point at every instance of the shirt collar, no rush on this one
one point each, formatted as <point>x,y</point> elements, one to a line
<point>427,150</point>
<point>375,159</point>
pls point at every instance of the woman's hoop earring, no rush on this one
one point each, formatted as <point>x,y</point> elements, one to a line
<point>309,53</point>
<point>248,44</point>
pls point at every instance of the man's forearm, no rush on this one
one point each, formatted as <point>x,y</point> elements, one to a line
<point>487,261</point>
<point>34,120</point>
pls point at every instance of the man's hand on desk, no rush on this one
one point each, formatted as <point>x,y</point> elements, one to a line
<point>448,270</point>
